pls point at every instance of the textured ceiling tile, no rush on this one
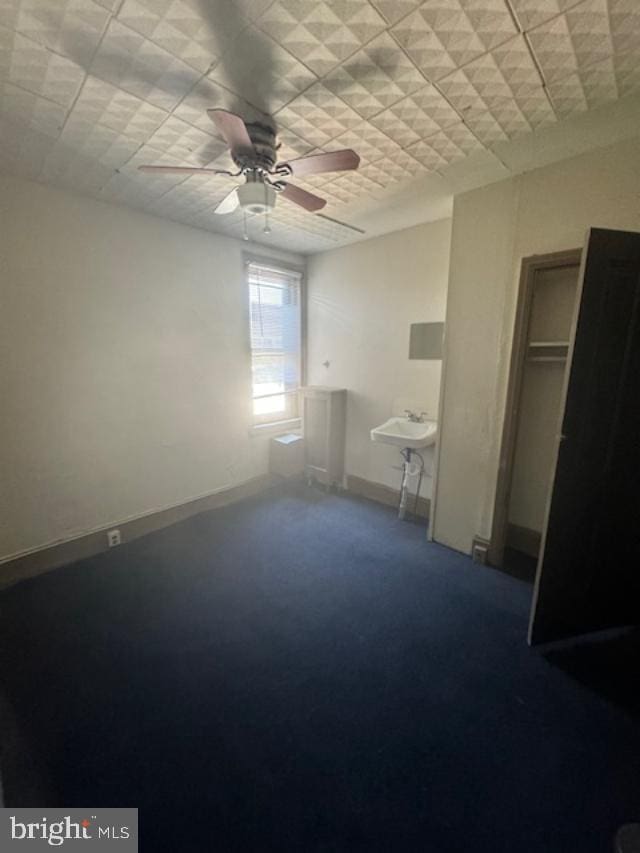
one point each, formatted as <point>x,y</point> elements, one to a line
<point>536,108</point>
<point>590,31</point>
<point>67,167</point>
<point>398,168</point>
<point>445,34</point>
<point>416,117</point>
<point>31,110</point>
<point>587,89</point>
<point>71,27</point>
<point>486,78</point>
<point>514,60</point>
<point>291,146</point>
<point>96,142</point>
<point>149,155</point>
<point>455,142</point>
<point>359,183</point>
<point>101,103</point>
<point>351,187</point>
<point>426,49</point>
<point>375,77</point>
<point>33,67</point>
<point>262,72</point>
<point>627,66</point>
<point>568,96</point>
<point>483,97</point>
<point>186,144</point>
<point>205,95</point>
<point>370,143</point>
<point>574,40</point>
<point>484,126</point>
<point>599,83</point>
<point>198,193</point>
<point>507,83</point>
<point>197,33</point>
<point>315,183</point>
<point>318,116</point>
<point>394,10</point>
<point>510,117</point>
<point>531,13</point>
<point>304,231</point>
<point>624,16</point>
<point>428,156</point>
<point>490,19</point>
<point>129,60</point>
<point>322,34</point>
<point>123,188</point>
<point>553,49</point>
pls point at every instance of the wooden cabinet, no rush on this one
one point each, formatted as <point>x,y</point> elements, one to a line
<point>324,417</point>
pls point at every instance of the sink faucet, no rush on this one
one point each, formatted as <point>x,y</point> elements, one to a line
<point>416,419</point>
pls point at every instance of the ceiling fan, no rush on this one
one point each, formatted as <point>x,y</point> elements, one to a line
<point>253,149</point>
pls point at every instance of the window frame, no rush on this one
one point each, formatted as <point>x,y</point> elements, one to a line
<point>260,424</point>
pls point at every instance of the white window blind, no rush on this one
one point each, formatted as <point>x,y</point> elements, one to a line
<point>275,325</point>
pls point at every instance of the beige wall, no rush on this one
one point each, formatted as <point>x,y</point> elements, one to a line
<point>545,210</point>
<point>125,380</point>
<point>361,302</point>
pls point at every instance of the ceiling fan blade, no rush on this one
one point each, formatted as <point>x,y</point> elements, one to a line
<point>299,196</point>
<point>228,203</point>
<point>332,161</point>
<point>182,170</point>
<point>232,128</point>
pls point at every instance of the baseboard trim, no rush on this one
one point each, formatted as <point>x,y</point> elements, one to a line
<point>524,539</point>
<point>385,495</point>
<point>48,557</point>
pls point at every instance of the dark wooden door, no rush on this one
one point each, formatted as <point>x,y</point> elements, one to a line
<point>588,574</point>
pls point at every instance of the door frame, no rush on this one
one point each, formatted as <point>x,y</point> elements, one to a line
<point>529,267</point>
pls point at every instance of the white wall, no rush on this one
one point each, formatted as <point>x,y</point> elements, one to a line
<point>125,378</point>
<point>545,210</point>
<point>361,302</point>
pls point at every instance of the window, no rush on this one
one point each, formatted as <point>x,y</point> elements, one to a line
<point>275,325</point>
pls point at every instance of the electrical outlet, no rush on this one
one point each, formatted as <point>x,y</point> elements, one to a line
<point>113,538</point>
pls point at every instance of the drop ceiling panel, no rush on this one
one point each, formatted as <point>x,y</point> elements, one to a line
<point>375,77</point>
<point>417,116</point>
<point>127,59</point>
<point>30,111</point>
<point>322,34</point>
<point>262,71</point>
<point>442,35</point>
<point>92,89</point>
<point>574,40</point>
<point>176,26</point>
<point>56,25</point>
<point>102,103</point>
<point>530,13</point>
<point>394,10</point>
<point>29,65</point>
<point>318,116</point>
<point>371,144</point>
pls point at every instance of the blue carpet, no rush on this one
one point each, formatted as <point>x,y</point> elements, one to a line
<point>303,672</point>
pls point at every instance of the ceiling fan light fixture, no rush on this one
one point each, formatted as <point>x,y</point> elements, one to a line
<point>257,197</point>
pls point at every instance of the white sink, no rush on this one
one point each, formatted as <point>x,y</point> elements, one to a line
<point>402,432</point>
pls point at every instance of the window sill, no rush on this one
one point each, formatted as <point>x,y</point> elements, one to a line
<point>276,428</point>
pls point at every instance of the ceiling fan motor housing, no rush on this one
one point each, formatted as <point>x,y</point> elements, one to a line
<point>263,155</point>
